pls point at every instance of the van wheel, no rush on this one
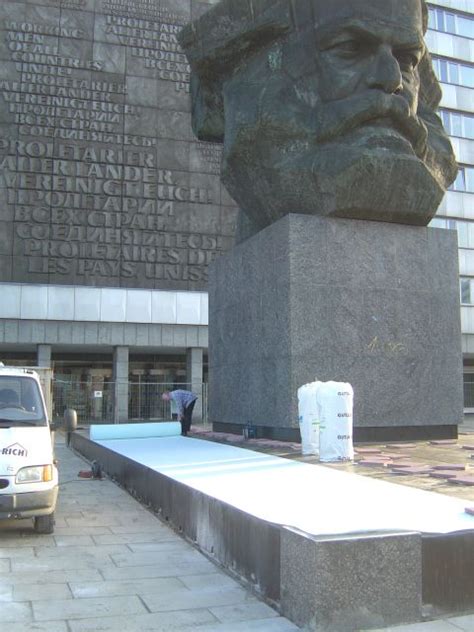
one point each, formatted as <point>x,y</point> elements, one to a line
<point>44,524</point>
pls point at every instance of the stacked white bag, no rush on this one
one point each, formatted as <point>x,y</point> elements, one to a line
<point>325,413</point>
<point>308,419</point>
<point>334,403</point>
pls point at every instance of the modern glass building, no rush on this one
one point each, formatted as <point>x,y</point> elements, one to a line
<point>451,41</point>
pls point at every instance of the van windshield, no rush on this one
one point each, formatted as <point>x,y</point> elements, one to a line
<point>20,401</point>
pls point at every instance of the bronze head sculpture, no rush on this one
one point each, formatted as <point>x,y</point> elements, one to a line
<point>324,107</point>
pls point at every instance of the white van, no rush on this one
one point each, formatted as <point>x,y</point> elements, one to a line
<point>28,473</point>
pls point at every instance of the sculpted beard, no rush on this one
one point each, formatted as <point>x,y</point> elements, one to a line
<point>273,141</point>
<point>329,158</point>
<point>336,119</point>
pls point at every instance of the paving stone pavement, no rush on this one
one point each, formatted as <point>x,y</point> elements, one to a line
<point>454,624</point>
<point>112,565</point>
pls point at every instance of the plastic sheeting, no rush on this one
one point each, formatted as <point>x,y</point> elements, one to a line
<point>104,432</point>
<point>313,498</point>
<point>308,418</point>
<point>334,402</point>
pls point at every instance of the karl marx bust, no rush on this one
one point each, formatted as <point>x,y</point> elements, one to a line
<point>324,107</point>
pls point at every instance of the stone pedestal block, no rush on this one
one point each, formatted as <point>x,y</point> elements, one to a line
<point>369,303</point>
<point>331,584</point>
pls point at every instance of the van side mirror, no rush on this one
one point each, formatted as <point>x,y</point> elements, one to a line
<point>70,420</point>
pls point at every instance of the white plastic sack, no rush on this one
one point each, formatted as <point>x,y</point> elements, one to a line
<point>308,419</point>
<point>335,402</point>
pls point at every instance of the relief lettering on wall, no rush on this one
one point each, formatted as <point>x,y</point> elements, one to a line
<point>212,155</point>
<point>70,4</point>
<point>75,203</point>
<point>155,44</point>
<point>84,179</point>
<point>48,100</point>
<point>145,9</point>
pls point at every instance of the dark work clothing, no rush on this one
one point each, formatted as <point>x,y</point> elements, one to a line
<point>184,401</point>
<point>187,417</point>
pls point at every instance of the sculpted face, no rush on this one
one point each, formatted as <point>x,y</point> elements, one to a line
<point>367,59</point>
<point>333,114</point>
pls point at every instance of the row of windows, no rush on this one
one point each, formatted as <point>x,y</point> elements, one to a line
<point>464,180</point>
<point>457,124</point>
<point>465,230</point>
<point>449,22</point>
<point>454,72</point>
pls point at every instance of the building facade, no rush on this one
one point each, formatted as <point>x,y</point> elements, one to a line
<point>451,42</point>
<point>111,211</point>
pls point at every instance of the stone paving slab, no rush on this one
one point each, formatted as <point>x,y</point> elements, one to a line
<point>162,585</point>
<point>185,599</point>
<point>41,592</point>
<point>48,626</point>
<point>35,565</point>
<point>53,577</point>
<point>161,622</point>
<point>208,580</point>
<point>248,612</point>
<point>13,612</point>
<point>173,570</point>
<point>457,624</point>
<point>465,623</point>
<point>4,566</point>
<point>67,609</point>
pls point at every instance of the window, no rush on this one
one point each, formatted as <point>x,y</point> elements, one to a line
<point>465,234</point>
<point>466,292</point>
<point>464,180</point>
<point>20,401</point>
<point>450,22</point>
<point>438,222</point>
<point>465,26</point>
<point>468,390</point>
<point>460,183</point>
<point>464,229</point>
<point>457,124</point>
<point>454,72</point>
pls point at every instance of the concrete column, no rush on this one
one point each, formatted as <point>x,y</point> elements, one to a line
<point>43,360</point>
<point>120,378</point>
<point>194,375</point>
<point>43,355</point>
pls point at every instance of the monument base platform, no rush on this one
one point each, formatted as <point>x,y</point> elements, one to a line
<point>360,435</point>
<point>331,550</point>
<point>369,303</point>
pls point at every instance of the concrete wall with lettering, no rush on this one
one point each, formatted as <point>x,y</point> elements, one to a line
<point>101,180</point>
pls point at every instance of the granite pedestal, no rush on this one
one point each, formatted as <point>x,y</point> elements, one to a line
<point>370,303</point>
<point>360,553</point>
<point>336,584</point>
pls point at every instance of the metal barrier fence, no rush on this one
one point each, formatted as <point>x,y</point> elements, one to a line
<point>96,403</point>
